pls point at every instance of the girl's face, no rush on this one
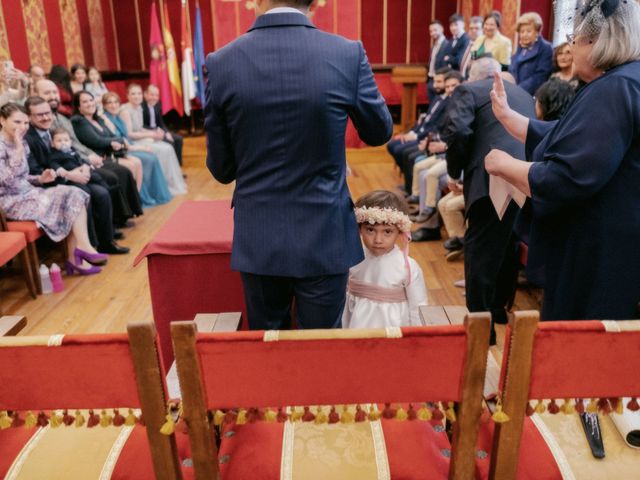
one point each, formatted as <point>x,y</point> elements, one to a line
<point>135,96</point>
<point>490,27</point>
<point>112,105</point>
<point>564,58</point>
<point>87,105</point>
<point>379,238</point>
<point>94,75</point>
<point>16,125</point>
<point>80,75</point>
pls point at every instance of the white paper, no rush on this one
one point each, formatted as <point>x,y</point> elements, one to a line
<point>502,192</point>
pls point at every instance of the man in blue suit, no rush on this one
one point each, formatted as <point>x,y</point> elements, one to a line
<point>277,103</point>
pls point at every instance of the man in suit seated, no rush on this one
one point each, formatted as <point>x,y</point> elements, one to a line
<point>152,120</point>
<point>278,100</point>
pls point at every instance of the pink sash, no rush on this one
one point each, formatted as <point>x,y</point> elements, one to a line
<point>376,293</point>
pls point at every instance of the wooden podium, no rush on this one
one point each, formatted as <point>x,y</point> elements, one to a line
<point>409,77</point>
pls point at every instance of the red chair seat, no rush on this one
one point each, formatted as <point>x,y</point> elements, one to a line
<point>414,449</point>
<point>134,461</point>
<point>11,244</point>
<point>30,229</point>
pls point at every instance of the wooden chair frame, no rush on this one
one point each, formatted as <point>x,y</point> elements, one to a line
<point>27,268</point>
<point>465,431</point>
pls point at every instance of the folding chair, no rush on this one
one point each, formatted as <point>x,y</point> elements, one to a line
<point>54,388</point>
<point>338,381</point>
<point>567,367</point>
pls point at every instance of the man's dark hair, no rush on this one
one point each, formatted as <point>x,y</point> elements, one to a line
<point>435,21</point>
<point>33,101</point>
<point>476,19</point>
<point>456,17</point>
<point>454,74</point>
<point>294,3</point>
<point>443,70</point>
<point>554,97</point>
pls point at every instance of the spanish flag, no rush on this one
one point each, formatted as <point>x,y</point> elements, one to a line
<point>158,66</point>
<point>172,64</point>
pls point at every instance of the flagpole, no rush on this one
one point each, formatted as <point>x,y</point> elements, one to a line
<point>162,20</point>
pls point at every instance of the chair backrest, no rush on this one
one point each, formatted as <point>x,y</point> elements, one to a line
<point>587,360</point>
<point>102,371</point>
<point>329,367</point>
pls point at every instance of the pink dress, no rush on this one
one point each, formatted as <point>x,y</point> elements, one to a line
<point>53,209</point>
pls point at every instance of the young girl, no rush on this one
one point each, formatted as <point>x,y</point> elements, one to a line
<point>387,287</point>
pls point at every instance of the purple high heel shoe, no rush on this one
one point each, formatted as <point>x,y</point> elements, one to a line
<point>92,258</point>
<point>71,268</point>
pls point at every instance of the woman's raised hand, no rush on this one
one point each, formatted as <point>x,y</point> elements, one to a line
<point>499,102</point>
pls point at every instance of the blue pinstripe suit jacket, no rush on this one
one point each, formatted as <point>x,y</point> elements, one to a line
<point>277,104</point>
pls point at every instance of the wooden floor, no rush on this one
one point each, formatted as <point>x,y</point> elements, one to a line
<point>120,294</point>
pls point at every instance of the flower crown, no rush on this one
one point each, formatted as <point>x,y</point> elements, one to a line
<point>389,216</point>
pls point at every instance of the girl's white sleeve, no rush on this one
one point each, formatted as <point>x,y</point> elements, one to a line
<point>416,293</point>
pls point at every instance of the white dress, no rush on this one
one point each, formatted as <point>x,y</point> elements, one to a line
<point>389,272</point>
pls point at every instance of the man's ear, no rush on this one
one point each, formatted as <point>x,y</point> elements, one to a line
<point>312,8</point>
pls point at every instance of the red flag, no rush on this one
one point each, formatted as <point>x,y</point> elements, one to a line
<point>172,65</point>
<point>158,67</point>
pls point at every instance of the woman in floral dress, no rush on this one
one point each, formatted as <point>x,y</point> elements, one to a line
<point>60,211</point>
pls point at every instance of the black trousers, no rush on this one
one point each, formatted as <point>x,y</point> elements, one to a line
<point>177,145</point>
<point>490,265</point>
<point>99,212</point>
<point>319,301</point>
<point>123,189</point>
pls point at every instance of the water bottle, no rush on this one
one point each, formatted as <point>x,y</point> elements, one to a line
<point>56,278</point>
<point>45,280</point>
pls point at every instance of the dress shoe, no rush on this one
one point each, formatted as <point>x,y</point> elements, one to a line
<point>72,268</point>
<point>454,243</point>
<point>425,215</point>
<point>413,199</point>
<point>92,258</point>
<point>426,235</point>
<point>113,249</point>
<point>452,255</point>
<point>118,235</point>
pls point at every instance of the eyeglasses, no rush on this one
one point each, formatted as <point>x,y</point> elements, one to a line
<point>42,115</point>
<point>571,38</point>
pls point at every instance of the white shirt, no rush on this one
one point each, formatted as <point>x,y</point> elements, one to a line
<point>283,10</point>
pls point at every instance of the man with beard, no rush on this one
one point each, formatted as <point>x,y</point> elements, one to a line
<point>122,185</point>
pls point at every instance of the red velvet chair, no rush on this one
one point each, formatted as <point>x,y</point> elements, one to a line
<point>242,381</point>
<point>13,244</point>
<point>52,380</point>
<point>597,361</point>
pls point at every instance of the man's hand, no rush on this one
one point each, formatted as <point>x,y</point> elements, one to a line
<point>159,134</point>
<point>96,161</point>
<point>437,147</point>
<point>116,146</point>
<point>47,176</point>
<point>422,146</point>
<point>455,186</point>
<point>409,137</point>
<point>168,137</point>
<point>78,175</point>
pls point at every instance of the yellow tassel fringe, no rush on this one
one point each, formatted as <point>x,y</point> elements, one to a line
<point>592,406</point>
<point>499,416</point>
<point>374,414</point>
<point>55,421</point>
<point>131,419</point>
<point>5,420</point>
<point>401,414</point>
<point>105,419</point>
<point>540,407</point>
<point>241,419</point>
<point>424,413</point>
<point>30,420</point>
<point>270,416</point>
<point>321,417</point>
<point>450,413</point>
<point>218,418</point>
<point>347,416</point>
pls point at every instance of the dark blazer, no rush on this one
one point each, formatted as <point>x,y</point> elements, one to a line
<point>277,103</point>
<point>472,130</point>
<point>146,122</point>
<point>38,152</point>
<point>435,119</point>
<point>441,57</point>
<point>456,51</point>
<point>89,135</point>
<point>531,68</point>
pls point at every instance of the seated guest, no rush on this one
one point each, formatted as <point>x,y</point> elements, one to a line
<point>492,41</point>
<point>78,77</point>
<point>62,78</point>
<point>95,86</point>
<point>532,63</point>
<point>60,211</point>
<point>131,114</point>
<point>451,208</point>
<point>92,131</point>
<point>152,120</point>
<point>387,287</point>
<point>67,164</point>
<point>553,98</point>
<point>154,186</point>
<point>122,186</point>
<point>563,65</point>
<point>459,41</point>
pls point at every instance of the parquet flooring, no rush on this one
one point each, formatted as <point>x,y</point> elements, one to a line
<point>120,294</point>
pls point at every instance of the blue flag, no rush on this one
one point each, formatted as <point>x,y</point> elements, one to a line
<point>198,54</point>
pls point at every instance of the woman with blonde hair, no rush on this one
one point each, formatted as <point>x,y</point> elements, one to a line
<point>532,63</point>
<point>585,171</point>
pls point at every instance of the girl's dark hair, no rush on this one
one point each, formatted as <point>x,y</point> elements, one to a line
<point>554,97</point>
<point>10,108</point>
<point>383,199</point>
<point>99,75</point>
<point>76,103</point>
<point>78,66</point>
<point>556,52</point>
<point>497,16</point>
<point>61,77</point>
